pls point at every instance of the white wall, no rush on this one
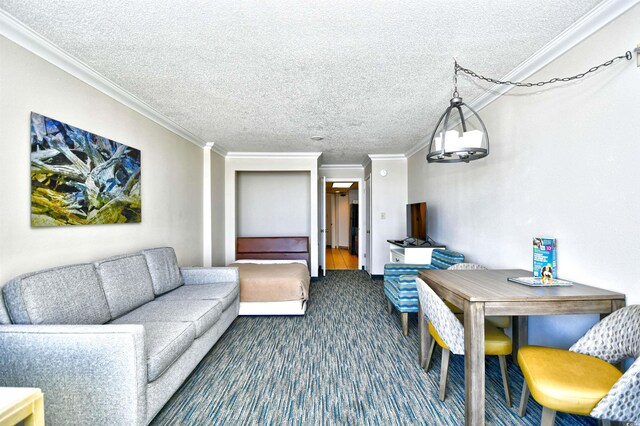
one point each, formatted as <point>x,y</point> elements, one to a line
<point>217,210</point>
<point>341,172</point>
<point>563,164</point>
<point>273,204</point>
<point>343,220</point>
<point>171,172</point>
<point>388,207</point>
<point>235,163</point>
<point>353,196</point>
<point>329,217</point>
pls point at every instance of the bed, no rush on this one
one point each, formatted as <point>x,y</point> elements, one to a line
<point>274,275</point>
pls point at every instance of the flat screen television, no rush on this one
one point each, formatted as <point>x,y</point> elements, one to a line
<point>417,221</point>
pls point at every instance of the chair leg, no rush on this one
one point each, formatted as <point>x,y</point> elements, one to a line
<point>405,323</point>
<point>505,379</point>
<point>389,306</point>
<point>524,399</point>
<point>444,370</point>
<point>427,362</point>
<point>548,417</point>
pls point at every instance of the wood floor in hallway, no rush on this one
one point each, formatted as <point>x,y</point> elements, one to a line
<point>340,258</point>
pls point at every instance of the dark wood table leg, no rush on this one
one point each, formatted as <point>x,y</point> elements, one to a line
<point>474,387</point>
<point>425,337</point>
<point>520,335</point>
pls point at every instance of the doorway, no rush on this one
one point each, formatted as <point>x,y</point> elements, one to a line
<point>342,225</point>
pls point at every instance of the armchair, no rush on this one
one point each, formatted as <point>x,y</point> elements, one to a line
<point>400,282</point>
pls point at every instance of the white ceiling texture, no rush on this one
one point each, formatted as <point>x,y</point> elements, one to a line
<point>370,77</point>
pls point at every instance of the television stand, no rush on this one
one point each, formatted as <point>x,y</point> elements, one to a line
<point>400,252</point>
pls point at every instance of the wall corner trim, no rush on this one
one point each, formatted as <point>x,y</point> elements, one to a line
<point>341,166</point>
<point>424,143</point>
<point>27,38</point>
<point>590,23</point>
<point>211,146</point>
<point>313,155</point>
<point>387,156</point>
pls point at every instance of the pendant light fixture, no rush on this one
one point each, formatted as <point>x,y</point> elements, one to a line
<point>460,134</point>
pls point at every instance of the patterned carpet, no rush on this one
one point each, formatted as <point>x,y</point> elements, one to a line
<point>345,362</point>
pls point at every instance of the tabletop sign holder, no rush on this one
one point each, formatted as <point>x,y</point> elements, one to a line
<point>545,263</point>
<point>537,282</point>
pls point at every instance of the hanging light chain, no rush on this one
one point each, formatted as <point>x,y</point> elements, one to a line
<point>626,56</point>
<point>456,67</point>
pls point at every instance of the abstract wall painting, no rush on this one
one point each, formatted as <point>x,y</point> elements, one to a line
<point>80,178</point>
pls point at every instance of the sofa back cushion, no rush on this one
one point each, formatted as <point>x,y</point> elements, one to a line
<point>4,314</point>
<point>164,269</point>
<point>64,295</point>
<point>126,282</point>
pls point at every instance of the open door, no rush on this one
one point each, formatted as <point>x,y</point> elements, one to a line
<point>322,228</point>
<point>367,196</point>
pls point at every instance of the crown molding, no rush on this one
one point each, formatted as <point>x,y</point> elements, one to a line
<point>211,146</point>
<point>422,145</point>
<point>221,152</point>
<point>590,23</point>
<point>24,36</point>
<point>341,166</point>
<point>584,27</point>
<point>387,156</point>
<point>313,155</point>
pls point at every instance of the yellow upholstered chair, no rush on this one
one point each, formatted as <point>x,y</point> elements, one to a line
<point>583,380</point>
<point>447,330</point>
<point>499,321</point>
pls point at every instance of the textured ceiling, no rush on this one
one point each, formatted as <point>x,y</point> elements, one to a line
<point>371,77</point>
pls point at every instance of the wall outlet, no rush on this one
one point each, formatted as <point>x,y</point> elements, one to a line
<point>383,215</point>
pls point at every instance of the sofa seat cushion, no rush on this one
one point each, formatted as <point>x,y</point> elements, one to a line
<point>64,295</point>
<point>226,293</point>
<point>202,313</point>
<point>164,269</point>
<point>126,282</point>
<point>165,342</point>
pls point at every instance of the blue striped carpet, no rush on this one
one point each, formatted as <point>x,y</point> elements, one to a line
<point>345,362</point>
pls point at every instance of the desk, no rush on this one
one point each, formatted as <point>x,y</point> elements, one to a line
<point>487,292</point>
<point>17,404</point>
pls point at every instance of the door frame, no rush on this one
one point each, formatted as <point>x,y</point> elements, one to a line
<point>368,240</point>
<point>361,216</point>
<point>322,231</point>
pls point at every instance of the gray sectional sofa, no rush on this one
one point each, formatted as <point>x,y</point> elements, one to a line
<point>110,342</point>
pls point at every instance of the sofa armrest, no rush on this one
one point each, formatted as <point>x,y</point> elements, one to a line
<point>89,374</point>
<point>195,275</point>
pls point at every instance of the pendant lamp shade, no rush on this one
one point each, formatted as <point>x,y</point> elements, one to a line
<point>459,136</point>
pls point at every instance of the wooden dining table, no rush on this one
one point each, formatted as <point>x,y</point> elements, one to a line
<point>481,293</point>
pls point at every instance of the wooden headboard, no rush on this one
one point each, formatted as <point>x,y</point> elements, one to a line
<point>273,248</point>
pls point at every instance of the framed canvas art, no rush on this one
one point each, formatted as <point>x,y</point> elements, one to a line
<point>80,178</point>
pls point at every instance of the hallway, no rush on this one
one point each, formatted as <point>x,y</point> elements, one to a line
<point>340,258</point>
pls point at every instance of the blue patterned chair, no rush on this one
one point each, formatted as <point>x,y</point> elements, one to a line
<point>400,282</point>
